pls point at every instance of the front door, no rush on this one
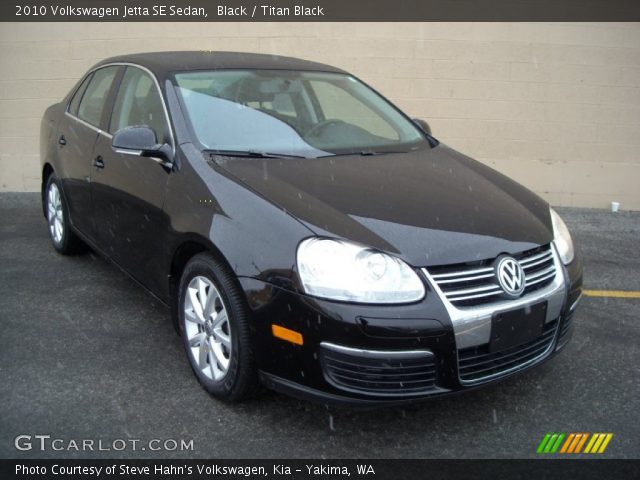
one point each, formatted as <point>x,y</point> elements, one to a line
<point>128,191</point>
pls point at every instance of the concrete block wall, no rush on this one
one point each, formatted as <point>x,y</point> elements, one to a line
<point>555,106</point>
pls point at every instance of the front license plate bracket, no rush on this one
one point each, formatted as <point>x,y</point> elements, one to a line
<point>517,327</point>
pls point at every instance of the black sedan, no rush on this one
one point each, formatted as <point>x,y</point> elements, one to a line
<point>304,232</point>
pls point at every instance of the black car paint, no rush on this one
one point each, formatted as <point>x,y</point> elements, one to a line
<point>433,206</point>
<point>405,204</point>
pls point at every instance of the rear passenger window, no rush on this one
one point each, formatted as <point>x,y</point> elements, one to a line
<point>95,96</point>
<point>139,103</point>
<point>73,106</point>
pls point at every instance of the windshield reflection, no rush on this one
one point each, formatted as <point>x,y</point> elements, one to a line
<point>243,127</point>
<point>310,114</point>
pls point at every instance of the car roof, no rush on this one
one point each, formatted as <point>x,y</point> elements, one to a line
<point>163,63</point>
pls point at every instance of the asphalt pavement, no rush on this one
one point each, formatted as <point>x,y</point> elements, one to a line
<point>86,354</point>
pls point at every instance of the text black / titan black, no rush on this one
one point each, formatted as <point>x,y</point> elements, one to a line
<point>307,235</point>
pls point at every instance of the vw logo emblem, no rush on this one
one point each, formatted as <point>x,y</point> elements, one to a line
<point>510,276</point>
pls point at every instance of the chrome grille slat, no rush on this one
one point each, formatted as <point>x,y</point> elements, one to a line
<point>464,273</point>
<point>472,285</point>
<point>541,273</point>
<point>456,293</point>
<point>468,279</point>
<point>529,260</point>
<point>545,259</point>
<point>540,279</point>
<point>478,295</point>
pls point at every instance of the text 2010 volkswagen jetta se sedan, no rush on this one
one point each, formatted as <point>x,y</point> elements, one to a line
<point>306,234</point>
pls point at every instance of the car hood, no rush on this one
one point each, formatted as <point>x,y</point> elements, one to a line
<point>429,207</point>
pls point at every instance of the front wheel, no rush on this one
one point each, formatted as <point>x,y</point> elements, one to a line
<point>214,325</point>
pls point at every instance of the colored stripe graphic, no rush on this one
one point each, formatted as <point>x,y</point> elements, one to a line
<point>555,443</point>
<point>567,443</point>
<point>550,443</point>
<point>543,443</point>
<point>606,442</point>
<point>594,437</point>
<point>581,443</point>
<point>598,443</point>
<point>578,438</point>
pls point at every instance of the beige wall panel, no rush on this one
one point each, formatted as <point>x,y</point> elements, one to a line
<point>555,106</point>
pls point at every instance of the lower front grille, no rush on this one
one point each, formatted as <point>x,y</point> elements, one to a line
<point>379,373</point>
<point>476,364</point>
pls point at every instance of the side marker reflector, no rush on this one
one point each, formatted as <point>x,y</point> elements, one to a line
<point>286,334</point>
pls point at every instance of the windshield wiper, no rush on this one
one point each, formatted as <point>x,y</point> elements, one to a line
<point>364,153</point>
<point>252,154</point>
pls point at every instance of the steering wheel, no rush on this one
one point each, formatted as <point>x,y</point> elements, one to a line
<point>318,127</point>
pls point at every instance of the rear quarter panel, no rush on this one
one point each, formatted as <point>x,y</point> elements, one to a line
<point>48,130</point>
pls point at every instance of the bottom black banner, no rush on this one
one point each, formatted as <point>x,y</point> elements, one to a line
<point>577,468</point>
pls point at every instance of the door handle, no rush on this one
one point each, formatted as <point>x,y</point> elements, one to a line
<point>99,162</point>
<point>62,141</point>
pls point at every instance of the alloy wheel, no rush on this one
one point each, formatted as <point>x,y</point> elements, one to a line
<point>55,215</point>
<point>207,328</point>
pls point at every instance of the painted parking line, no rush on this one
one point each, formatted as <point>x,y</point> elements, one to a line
<point>612,293</point>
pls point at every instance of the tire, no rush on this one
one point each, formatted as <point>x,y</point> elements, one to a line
<point>57,214</point>
<point>214,324</point>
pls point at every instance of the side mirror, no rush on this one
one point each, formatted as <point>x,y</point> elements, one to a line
<point>141,141</point>
<point>422,125</point>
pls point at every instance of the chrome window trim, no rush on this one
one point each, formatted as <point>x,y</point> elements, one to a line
<point>87,124</point>
<point>377,353</point>
<point>155,81</point>
<point>75,117</point>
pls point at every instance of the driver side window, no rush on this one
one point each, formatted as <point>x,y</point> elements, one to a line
<point>139,103</point>
<point>337,103</point>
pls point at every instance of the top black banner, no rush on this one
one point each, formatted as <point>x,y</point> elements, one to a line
<point>320,10</point>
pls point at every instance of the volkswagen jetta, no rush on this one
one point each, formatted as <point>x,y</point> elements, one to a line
<point>305,233</point>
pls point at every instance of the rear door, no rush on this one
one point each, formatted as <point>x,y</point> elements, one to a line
<point>128,191</point>
<point>76,139</point>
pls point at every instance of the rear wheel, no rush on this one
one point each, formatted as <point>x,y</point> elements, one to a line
<point>214,325</point>
<point>63,239</point>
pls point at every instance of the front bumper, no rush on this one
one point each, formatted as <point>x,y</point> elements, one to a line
<point>369,355</point>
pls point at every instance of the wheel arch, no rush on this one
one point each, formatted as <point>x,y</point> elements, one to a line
<point>47,171</point>
<point>185,250</point>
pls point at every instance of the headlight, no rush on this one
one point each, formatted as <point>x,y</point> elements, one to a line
<point>340,270</point>
<point>562,238</point>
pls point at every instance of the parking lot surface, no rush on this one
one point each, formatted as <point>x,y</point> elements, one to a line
<point>85,353</point>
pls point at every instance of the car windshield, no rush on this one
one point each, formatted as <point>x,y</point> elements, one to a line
<point>277,112</point>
